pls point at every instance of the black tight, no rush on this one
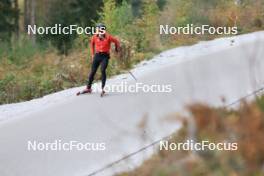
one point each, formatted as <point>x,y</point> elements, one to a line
<point>99,59</point>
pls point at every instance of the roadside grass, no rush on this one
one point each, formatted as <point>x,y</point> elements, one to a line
<point>27,73</point>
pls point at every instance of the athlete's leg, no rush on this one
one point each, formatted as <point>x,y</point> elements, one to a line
<point>95,65</point>
<point>104,64</point>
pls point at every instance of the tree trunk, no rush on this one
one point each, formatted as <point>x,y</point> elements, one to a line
<point>30,16</point>
<point>33,18</point>
<point>26,14</point>
<point>16,19</point>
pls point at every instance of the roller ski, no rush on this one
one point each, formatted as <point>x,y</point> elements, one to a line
<point>102,93</point>
<point>85,91</point>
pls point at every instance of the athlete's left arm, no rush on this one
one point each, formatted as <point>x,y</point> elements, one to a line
<point>92,46</point>
<point>116,42</point>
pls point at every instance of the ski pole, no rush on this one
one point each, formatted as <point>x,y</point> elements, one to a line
<point>132,75</point>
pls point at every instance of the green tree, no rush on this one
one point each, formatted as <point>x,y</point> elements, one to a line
<point>8,15</point>
<point>116,18</point>
<point>148,27</point>
<point>86,11</point>
<point>60,13</point>
<point>70,12</point>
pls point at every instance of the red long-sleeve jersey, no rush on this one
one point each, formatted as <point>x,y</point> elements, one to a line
<point>103,45</point>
